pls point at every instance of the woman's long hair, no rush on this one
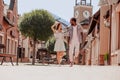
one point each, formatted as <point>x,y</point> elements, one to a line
<point>57,27</point>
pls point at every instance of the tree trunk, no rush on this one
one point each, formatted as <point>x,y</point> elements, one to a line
<point>34,52</point>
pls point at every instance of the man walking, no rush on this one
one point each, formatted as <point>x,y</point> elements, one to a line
<point>75,34</point>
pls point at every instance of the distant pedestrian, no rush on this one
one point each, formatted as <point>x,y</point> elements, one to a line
<point>75,33</point>
<point>59,44</point>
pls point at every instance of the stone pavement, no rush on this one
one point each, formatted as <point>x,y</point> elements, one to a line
<point>54,72</point>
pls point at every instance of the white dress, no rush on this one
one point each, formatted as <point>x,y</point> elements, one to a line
<point>59,44</point>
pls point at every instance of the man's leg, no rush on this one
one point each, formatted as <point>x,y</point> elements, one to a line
<point>76,53</point>
<point>71,51</point>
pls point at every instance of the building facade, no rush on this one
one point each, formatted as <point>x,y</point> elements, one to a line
<point>103,48</point>
<point>83,12</point>
<point>115,39</point>
<point>9,27</point>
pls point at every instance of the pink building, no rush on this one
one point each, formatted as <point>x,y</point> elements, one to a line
<point>105,40</point>
<point>115,40</point>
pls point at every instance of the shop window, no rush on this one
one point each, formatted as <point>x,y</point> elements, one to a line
<point>21,53</point>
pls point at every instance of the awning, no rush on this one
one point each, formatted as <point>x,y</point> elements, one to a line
<point>8,21</point>
<point>94,21</point>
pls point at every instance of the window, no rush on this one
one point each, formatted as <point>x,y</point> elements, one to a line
<point>6,2</point>
<point>1,51</point>
<point>12,46</point>
<point>13,19</point>
<point>8,45</point>
<point>6,7</point>
<point>15,47</point>
<point>83,2</point>
<point>0,39</point>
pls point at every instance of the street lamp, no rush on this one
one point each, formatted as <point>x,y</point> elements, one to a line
<point>18,49</point>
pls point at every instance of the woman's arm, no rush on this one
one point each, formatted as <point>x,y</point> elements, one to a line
<point>53,27</point>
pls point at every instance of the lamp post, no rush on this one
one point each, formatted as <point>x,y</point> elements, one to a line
<point>18,49</point>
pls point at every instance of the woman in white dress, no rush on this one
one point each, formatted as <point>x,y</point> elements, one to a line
<point>59,44</point>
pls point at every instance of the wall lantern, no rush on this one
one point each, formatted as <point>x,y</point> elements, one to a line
<point>107,23</point>
<point>107,19</point>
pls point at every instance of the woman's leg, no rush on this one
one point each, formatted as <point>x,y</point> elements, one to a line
<point>61,55</point>
<point>58,57</point>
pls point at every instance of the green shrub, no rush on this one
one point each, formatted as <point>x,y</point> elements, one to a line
<point>106,56</point>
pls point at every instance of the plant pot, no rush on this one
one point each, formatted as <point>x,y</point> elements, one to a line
<point>105,62</point>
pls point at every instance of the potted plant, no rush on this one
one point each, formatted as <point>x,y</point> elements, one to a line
<point>106,58</point>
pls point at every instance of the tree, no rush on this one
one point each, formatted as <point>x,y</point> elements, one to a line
<point>36,25</point>
<point>50,44</point>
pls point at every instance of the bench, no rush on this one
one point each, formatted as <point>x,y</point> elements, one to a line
<point>4,56</point>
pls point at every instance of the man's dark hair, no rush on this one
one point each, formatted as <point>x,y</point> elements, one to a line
<point>73,19</point>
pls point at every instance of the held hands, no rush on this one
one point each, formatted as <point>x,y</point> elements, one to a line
<point>66,41</point>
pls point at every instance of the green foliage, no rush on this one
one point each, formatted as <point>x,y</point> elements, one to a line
<point>106,56</point>
<point>37,24</point>
<point>50,44</point>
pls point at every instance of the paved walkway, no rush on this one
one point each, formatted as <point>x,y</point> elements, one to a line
<point>54,72</point>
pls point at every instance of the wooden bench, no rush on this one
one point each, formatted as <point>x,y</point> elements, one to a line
<point>4,56</point>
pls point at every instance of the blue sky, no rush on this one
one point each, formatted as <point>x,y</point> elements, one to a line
<point>62,8</point>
